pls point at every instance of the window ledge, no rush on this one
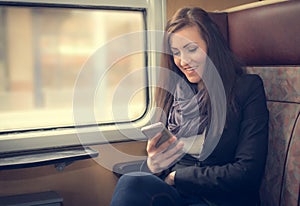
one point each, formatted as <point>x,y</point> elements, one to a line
<point>59,157</point>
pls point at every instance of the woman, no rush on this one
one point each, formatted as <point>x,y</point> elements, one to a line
<point>225,171</point>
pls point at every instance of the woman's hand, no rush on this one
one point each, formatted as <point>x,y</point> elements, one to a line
<point>170,178</point>
<point>162,157</point>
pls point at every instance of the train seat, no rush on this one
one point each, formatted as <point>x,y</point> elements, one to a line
<point>266,39</point>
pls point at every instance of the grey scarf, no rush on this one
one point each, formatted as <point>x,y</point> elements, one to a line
<point>188,114</point>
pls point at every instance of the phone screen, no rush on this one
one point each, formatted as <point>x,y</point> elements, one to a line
<point>165,135</point>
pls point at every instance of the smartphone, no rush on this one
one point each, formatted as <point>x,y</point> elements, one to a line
<point>152,130</point>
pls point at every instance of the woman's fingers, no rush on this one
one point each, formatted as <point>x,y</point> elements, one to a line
<point>172,151</point>
<point>160,158</point>
<point>160,161</point>
<point>165,150</point>
<point>151,146</point>
<point>167,143</point>
<point>171,160</point>
<point>152,142</point>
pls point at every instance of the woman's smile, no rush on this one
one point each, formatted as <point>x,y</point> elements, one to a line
<point>189,52</point>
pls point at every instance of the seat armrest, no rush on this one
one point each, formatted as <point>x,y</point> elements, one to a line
<point>122,168</point>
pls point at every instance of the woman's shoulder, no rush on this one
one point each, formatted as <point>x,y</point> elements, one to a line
<point>248,85</point>
<point>249,79</point>
<point>248,82</point>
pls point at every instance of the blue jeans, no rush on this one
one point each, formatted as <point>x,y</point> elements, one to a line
<point>143,189</point>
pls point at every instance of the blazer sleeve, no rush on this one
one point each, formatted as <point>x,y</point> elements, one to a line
<point>244,173</point>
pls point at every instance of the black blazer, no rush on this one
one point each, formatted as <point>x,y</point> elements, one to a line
<point>232,174</point>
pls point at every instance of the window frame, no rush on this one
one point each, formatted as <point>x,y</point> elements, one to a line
<point>155,13</point>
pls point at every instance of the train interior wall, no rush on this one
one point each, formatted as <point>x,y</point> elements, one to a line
<point>89,182</point>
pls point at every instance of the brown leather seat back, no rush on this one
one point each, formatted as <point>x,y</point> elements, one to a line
<point>267,40</point>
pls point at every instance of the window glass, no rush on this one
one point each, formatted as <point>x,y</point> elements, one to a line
<point>44,50</point>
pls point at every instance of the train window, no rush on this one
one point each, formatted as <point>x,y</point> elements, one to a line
<point>43,52</point>
<point>54,55</point>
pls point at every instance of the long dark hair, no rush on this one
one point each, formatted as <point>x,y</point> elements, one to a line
<point>227,65</point>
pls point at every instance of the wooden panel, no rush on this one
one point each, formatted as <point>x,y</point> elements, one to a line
<point>87,182</point>
<point>211,5</point>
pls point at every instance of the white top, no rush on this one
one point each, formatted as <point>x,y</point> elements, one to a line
<point>193,145</point>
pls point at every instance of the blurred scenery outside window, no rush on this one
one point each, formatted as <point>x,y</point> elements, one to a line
<point>44,49</point>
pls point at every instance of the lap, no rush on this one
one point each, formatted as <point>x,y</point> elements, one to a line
<point>146,189</point>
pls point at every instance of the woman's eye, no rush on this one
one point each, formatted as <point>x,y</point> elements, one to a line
<point>175,53</point>
<point>192,49</point>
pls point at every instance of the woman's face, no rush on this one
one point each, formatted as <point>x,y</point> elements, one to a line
<point>189,52</point>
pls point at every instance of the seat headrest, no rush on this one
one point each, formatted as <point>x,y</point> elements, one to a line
<point>265,35</point>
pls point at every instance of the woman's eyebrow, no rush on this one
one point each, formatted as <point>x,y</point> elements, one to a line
<point>189,44</point>
<point>186,45</point>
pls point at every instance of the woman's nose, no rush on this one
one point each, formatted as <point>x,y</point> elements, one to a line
<point>184,60</point>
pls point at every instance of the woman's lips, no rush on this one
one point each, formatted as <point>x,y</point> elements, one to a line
<point>190,69</point>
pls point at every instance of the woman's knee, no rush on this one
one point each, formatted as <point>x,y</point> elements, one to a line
<point>135,181</point>
<point>142,188</point>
